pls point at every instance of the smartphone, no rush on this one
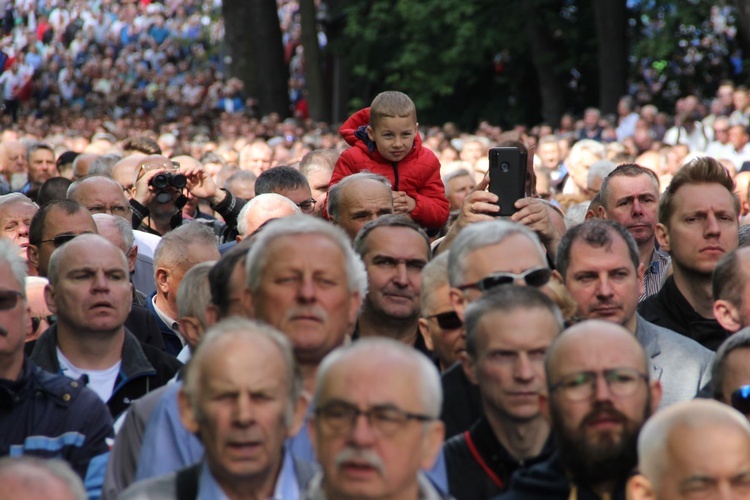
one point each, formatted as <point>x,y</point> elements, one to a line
<point>507,177</point>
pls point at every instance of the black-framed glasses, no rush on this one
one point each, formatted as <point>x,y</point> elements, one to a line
<point>338,417</point>
<point>9,299</point>
<point>116,210</point>
<point>579,386</point>
<point>61,239</point>
<point>447,320</point>
<point>307,206</point>
<point>740,399</point>
<point>536,277</point>
<point>37,320</point>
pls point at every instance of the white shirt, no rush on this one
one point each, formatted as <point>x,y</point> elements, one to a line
<point>102,382</point>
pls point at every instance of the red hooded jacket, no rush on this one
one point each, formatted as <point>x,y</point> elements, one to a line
<point>417,174</point>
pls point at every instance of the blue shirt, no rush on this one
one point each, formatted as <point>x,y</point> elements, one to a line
<point>286,487</point>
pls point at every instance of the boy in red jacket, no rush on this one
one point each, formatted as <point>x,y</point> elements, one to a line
<point>385,140</point>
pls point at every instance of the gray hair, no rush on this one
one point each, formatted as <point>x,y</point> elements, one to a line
<point>10,198</point>
<point>18,466</point>
<point>194,292</point>
<point>484,234</point>
<point>334,193</point>
<point>460,172</point>
<point>600,170</point>
<point>506,299</point>
<point>122,225</point>
<point>427,377</point>
<point>170,250</point>
<point>242,327</point>
<point>434,276</point>
<point>739,340</point>
<point>267,202</point>
<point>9,255</point>
<point>300,225</point>
<point>104,164</point>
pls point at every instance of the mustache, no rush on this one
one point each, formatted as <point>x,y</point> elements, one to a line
<point>369,457</point>
<point>607,411</point>
<point>316,311</point>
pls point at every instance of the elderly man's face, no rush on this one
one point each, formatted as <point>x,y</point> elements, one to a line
<point>14,320</point>
<point>238,409</point>
<point>362,460</point>
<point>15,219</point>
<point>304,293</point>
<point>457,189</point>
<point>103,196</point>
<point>394,260</point>
<point>442,325</point>
<point>710,462</point>
<point>42,166</point>
<point>634,203</point>
<point>362,202</point>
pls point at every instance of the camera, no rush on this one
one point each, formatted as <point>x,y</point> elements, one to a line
<point>166,179</point>
<point>504,166</point>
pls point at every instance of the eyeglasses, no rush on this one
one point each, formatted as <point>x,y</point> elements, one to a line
<point>447,320</point>
<point>340,418</point>
<point>582,385</point>
<point>117,210</point>
<point>37,320</point>
<point>740,399</point>
<point>536,277</point>
<point>9,299</point>
<point>61,239</point>
<point>307,206</point>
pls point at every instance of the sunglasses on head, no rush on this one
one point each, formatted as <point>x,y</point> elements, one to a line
<point>37,320</point>
<point>740,399</point>
<point>9,299</point>
<point>447,320</point>
<point>61,239</point>
<point>536,277</point>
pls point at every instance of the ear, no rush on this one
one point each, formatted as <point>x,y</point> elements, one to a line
<point>424,330</point>
<point>662,236</point>
<point>248,304</point>
<point>432,443</point>
<point>32,254</point>
<point>132,255</point>
<point>458,301</point>
<point>640,488</point>
<point>469,367</point>
<point>370,133</point>
<point>211,315</point>
<point>191,329</point>
<point>161,276</point>
<point>49,298</point>
<point>187,416</point>
<point>602,213</point>
<point>239,238</point>
<point>355,304</point>
<point>557,277</point>
<point>655,392</point>
<point>300,409</point>
<point>727,315</point>
<point>312,435</point>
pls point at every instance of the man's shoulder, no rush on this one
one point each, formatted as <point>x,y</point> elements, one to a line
<point>155,488</point>
<point>674,342</point>
<point>541,481</point>
<point>164,363</point>
<point>61,390</point>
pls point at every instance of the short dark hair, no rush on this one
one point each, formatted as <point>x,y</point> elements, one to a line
<point>55,188</point>
<point>596,233</point>
<point>625,170</point>
<point>36,147</point>
<point>702,170</point>
<point>506,299</point>
<point>220,274</point>
<point>142,144</point>
<point>36,228</point>
<point>390,220</point>
<point>278,179</point>
<point>739,340</point>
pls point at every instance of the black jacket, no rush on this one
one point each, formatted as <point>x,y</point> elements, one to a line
<point>467,479</point>
<point>670,309</point>
<point>143,369</point>
<point>548,481</point>
<point>462,405</point>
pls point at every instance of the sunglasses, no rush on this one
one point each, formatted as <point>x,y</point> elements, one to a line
<point>37,320</point>
<point>536,277</point>
<point>9,299</point>
<point>61,239</point>
<point>740,400</point>
<point>447,320</point>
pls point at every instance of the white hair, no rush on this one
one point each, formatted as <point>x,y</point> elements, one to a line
<point>270,203</point>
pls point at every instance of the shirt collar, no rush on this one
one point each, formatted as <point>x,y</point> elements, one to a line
<point>286,487</point>
<point>170,322</point>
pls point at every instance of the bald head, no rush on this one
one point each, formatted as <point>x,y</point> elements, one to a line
<point>75,247</point>
<point>125,171</point>
<point>82,163</point>
<point>693,446</point>
<point>37,479</point>
<point>261,209</point>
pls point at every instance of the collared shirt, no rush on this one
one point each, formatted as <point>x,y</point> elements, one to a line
<point>656,273</point>
<point>286,487</point>
<point>170,322</point>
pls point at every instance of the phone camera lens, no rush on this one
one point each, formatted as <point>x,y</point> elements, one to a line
<point>504,166</point>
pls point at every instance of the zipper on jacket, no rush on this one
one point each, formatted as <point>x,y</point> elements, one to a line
<point>395,175</point>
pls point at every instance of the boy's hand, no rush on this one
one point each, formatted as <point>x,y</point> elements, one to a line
<point>403,203</point>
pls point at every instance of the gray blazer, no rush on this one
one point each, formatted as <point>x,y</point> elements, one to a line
<point>682,365</point>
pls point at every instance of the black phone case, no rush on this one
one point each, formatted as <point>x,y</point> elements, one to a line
<point>507,177</point>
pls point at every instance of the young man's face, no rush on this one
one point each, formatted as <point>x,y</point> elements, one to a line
<point>394,136</point>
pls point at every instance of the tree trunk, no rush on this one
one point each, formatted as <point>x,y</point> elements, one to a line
<point>238,43</point>
<point>272,72</point>
<point>743,24</point>
<point>339,69</point>
<point>545,54</point>
<point>611,24</point>
<point>317,95</point>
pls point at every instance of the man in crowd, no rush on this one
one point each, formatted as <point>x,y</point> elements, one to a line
<point>12,166</point>
<point>260,210</point>
<point>698,225</point>
<point>243,397</point>
<point>731,290</point>
<point>40,159</point>
<point>317,167</point>
<point>696,449</point>
<point>630,195</point>
<point>731,372</point>
<point>398,391</point>
<point>600,267</point>
<point>16,211</point>
<point>40,479</point>
<point>458,184</point>
<point>508,332</point>
<point>44,407</point>
<point>256,157</point>
<point>90,292</point>
<point>358,199</point>
<point>599,396</point>
<point>288,182</point>
<point>394,250</point>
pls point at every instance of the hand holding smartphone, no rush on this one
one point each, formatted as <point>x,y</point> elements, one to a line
<point>507,177</point>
